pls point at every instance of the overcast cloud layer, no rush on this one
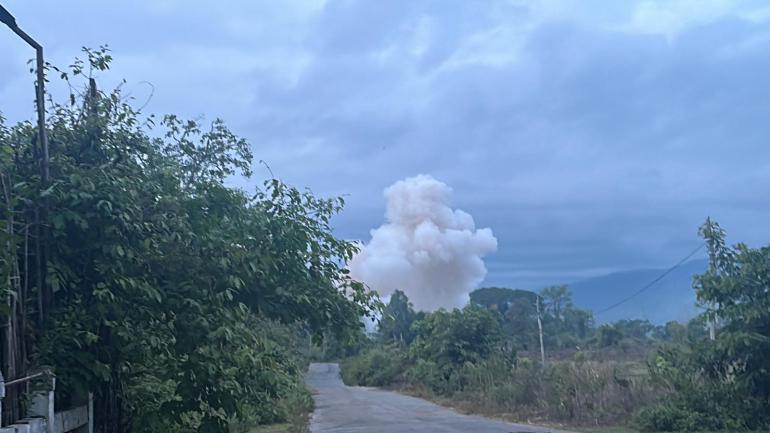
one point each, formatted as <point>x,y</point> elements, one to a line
<point>590,136</point>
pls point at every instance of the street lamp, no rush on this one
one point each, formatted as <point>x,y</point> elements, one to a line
<point>41,218</point>
<point>8,19</point>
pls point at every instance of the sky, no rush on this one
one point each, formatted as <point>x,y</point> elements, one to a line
<point>590,136</point>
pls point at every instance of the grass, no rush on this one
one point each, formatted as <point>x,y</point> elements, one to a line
<point>274,428</point>
<point>618,429</point>
<point>296,408</point>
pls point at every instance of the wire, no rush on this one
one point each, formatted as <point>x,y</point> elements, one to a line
<point>652,283</point>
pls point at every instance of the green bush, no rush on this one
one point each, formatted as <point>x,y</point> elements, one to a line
<point>456,337</point>
<point>667,418</point>
<point>380,366</point>
<point>293,409</point>
<point>429,376</point>
<point>671,417</point>
<point>499,384</point>
<point>465,355</point>
<point>296,407</point>
<point>168,282</point>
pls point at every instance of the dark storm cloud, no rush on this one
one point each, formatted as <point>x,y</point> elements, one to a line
<point>590,140</point>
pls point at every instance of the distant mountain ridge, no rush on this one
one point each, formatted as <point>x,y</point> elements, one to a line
<point>672,298</point>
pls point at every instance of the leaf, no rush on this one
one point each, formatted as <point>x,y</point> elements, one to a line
<point>47,192</point>
<point>5,310</point>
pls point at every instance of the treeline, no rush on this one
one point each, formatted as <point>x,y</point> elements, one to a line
<point>139,275</point>
<point>523,316</point>
<point>567,329</point>
<point>485,357</point>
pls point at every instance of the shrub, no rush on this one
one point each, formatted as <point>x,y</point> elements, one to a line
<point>161,271</point>
<point>425,374</point>
<point>696,400</point>
<point>671,417</point>
<point>380,366</point>
<point>296,407</point>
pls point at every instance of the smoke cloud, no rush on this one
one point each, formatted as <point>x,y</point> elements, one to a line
<point>425,248</point>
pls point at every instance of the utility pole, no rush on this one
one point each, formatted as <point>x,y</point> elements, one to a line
<point>540,329</point>
<point>712,325</point>
<point>8,19</point>
<point>41,215</point>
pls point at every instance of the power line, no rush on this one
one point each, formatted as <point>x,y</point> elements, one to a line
<point>652,283</point>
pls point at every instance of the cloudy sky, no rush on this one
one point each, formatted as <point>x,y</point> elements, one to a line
<point>591,136</point>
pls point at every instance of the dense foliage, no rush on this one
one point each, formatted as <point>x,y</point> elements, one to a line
<point>566,328</point>
<point>725,383</point>
<point>395,325</point>
<point>469,355</point>
<point>670,377</point>
<point>171,295</point>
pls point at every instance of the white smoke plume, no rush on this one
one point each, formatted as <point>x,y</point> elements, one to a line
<point>425,248</point>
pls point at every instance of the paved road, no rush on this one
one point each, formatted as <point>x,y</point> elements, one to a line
<point>349,409</point>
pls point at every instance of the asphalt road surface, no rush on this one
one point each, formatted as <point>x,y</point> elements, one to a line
<point>353,409</point>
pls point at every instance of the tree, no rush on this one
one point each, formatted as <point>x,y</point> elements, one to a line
<point>722,384</point>
<point>397,318</point>
<point>521,319</point>
<point>672,331</point>
<point>634,328</point>
<point>168,289</point>
<point>735,290</point>
<point>609,335</point>
<point>565,326</point>
<point>579,323</point>
<point>515,309</point>
<point>557,299</point>
<point>494,298</point>
<point>456,337</point>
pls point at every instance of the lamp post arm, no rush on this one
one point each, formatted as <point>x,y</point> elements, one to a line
<point>10,21</point>
<point>27,38</point>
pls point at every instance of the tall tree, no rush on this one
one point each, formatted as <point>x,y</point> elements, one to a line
<point>737,291</point>
<point>166,283</point>
<point>456,337</point>
<point>557,299</point>
<point>397,318</point>
<point>722,384</point>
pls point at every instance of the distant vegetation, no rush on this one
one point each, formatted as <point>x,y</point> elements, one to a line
<point>137,274</point>
<point>485,357</point>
